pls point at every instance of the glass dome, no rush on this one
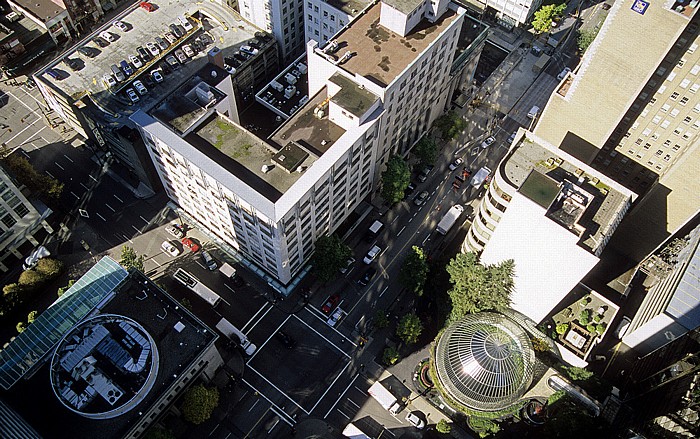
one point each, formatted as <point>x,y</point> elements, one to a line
<point>485,361</point>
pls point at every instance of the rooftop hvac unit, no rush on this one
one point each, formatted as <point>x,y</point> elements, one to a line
<point>291,79</point>
<point>289,91</point>
<point>302,68</point>
<point>277,86</point>
<point>204,94</point>
<point>346,56</point>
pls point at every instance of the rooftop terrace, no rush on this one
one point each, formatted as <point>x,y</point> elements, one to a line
<point>379,54</point>
<point>575,199</point>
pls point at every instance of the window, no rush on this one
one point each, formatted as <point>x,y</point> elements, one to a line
<point>687,119</point>
<point>656,119</point>
<point>665,108</point>
<point>675,95</point>
<point>684,100</point>
<point>646,132</point>
<point>675,112</point>
<point>681,63</point>
<point>652,101</point>
<point>659,151</point>
<point>671,76</point>
<point>694,88</point>
<point>693,47</point>
<point>665,123</point>
<point>685,83</point>
<point>695,70</point>
<point>667,157</point>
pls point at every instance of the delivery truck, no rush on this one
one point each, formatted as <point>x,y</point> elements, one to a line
<point>235,335</point>
<point>480,177</point>
<point>384,398</point>
<point>449,219</point>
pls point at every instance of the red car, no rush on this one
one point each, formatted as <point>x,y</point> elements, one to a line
<point>149,7</point>
<point>330,304</point>
<point>190,244</point>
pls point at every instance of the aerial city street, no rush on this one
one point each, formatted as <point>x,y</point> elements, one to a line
<point>360,219</point>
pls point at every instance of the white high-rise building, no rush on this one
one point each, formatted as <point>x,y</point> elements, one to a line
<point>282,18</point>
<point>271,199</point>
<point>324,18</point>
<point>509,13</point>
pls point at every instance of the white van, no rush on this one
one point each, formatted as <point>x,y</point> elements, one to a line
<point>534,111</point>
<point>185,23</point>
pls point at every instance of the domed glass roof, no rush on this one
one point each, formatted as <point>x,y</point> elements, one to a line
<point>485,361</point>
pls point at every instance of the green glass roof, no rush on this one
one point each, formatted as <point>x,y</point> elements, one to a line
<point>41,337</point>
<point>540,188</point>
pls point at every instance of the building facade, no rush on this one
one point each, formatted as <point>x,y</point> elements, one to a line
<point>643,131</point>
<point>325,19</point>
<point>282,18</point>
<point>508,13</point>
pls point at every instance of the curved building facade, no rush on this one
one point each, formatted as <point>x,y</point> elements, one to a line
<point>485,361</point>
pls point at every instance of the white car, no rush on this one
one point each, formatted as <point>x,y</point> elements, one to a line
<point>170,249</point>
<point>188,50</point>
<point>170,37</point>
<point>415,420</point>
<point>563,73</point>
<point>335,317</point>
<point>133,97</point>
<point>138,85</point>
<point>249,50</point>
<point>454,165</point>
<point>109,81</point>
<point>153,49</point>
<point>121,26</point>
<point>157,76</point>
<point>486,143</point>
<point>135,61</point>
<point>108,36</point>
<point>372,254</point>
<point>344,269</point>
<point>229,69</point>
<point>175,231</point>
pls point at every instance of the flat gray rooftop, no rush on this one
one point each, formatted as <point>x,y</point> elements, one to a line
<point>144,27</point>
<point>600,212</point>
<point>244,155</point>
<point>405,6</point>
<point>304,128</point>
<point>183,108</point>
<point>351,97</point>
<point>350,7</point>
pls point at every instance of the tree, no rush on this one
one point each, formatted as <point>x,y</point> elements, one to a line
<point>540,345</point>
<point>21,326</point>
<point>158,433</point>
<point>12,292</point>
<point>544,17</point>
<point>32,316</point>
<point>62,290</point>
<point>476,287</point>
<point>199,402</point>
<point>330,256</point>
<point>585,38</point>
<point>450,125</point>
<point>380,319</point>
<point>49,267</point>
<point>130,259</point>
<point>409,328</point>
<point>426,150</point>
<point>26,175</point>
<point>562,328</point>
<point>414,270</point>
<point>577,373</point>
<point>443,426</point>
<point>390,356</point>
<point>395,179</point>
<point>31,278</point>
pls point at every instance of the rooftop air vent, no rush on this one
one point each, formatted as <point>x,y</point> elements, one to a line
<point>267,168</point>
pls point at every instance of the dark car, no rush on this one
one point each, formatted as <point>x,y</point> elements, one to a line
<point>73,63</point>
<point>424,173</point>
<point>330,304</point>
<point>90,52</point>
<point>174,28</point>
<point>368,276</point>
<point>409,190</point>
<point>100,42</point>
<point>286,340</point>
<point>420,198</point>
<point>143,53</point>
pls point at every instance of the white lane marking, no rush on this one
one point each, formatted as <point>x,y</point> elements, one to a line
<point>68,158</point>
<point>349,271</point>
<point>157,263</point>
<point>110,207</point>
<point>138,231</point>
<point>269,338</point>
<point>93,178</point>
<point>24,152</point>
<point>426,238</point>
<point>394,220</point>
<point>61,167</point>
<point>266,398</point>
<point>273,426</point>
<point>266,306</point>
<point>410,219</point>
<point>232,290</point>
<point>329,387</point>
<point>127,238</point>
<point>278,389</point>
<point>84,187</point>
<point>384,291</point>
<point>324,337</point>
<point>253,406</point>
<point>49,174</point>
<point>340,411</point>
<point>73,193</point>
<point>402,229</point>
<point>351,401</point>
<point>118,198</point>
<point>21,131</point>
<point>145,220</point>
<point>101,217</point>
<point>20,101</point>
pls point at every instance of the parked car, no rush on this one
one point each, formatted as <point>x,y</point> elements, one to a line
<point>414,420</point>
<point>73,63</point>
<point>209,261</point>
<point>172,61</point>
<point>162,44</point>
<point>622,328</point>
<point>606,6</point>
<point>176,231</point>
<point>108,80</point>
<point>512,137</point>
<point>135,61</point>
<point>368,276</point>
<point>420,198</point>
<point>133,97</point>
<point>170,249</point>
<point>344,269</point>
<point>153,49</point>
<point>175,29</point>
<point>181,56</point>
<point>121,26</point>
<point>126,68</point>
<point>424,173</point>
<point>330,304</point>
<point>185,23</point>
<point>148,7</point>
<point>563,73</point>
<point>109,36</point>
<point>190,244</point>
<point>140,88</point>
<point>455,164</point>
<point>335,318</point>
<point>90,52</point>
<point>143,53</point>
<point>170,37</point>
<point>188,50</point>
<point>100,42</point>
<point>286,340</point>
<point>249,50</point>
<point>488,142</point>
<point>372,254</point>
<point>409,190</point>
<point>157,76</point>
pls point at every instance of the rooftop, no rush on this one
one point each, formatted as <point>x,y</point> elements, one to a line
<point>289,91</point>
<point>352,97</point>
<point>245,155</point>
<point>405,6</point>
<point>144,27</point>
<point>350,7</point>
<point>179,337</point>
<point>45,10</point>
<point>575,198</point>
<point>379,54</point>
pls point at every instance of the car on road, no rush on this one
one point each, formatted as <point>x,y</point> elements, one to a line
<point>157,76</point>
<point>488,142</point>
<point>424,173</point>
<point>286,340</point>
<point>121,26</point>
<point>534,111</point>
<point>455,164</point>
<point>170,249</point>
<point>209,261</point>
<point>190,244</point>
<point>335,318</point>
<point>512,137</point>
<point>344,269</point>
<point>133,97</point>
<point>372,254</point>
<point>409,190</point>
<point>420,198</point>
<point>606,6</point>
<point>176,230</point>
<point>135,61</point>
<point>462,176</point>
<point>368,276</point>
<point>330,304</point>
<point>414,420</point>
<point>563,73</point>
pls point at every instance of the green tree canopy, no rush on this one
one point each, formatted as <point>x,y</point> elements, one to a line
<point>409,328</point>
<point>567,420</point>
<point>414,270</point>
<point>330,256</point>
<point>27,175</point>
<point>395,179</point>
<point>31,278</point>
<point>21,326</point>
<point>130,259</point>
<point>585,38</point>
<point>62,290</point>
<point>476,287</point>
<point>443,426</point>
<point>577,373</point>
<point>32,316</point>
<point>544,17</point>
<point>158,433</point>
<point>49,267</point>
<point>380,319</point>
<point>426,150</point>
<point>199,402</point>
<point>390,356</point>
<point>450,125</point>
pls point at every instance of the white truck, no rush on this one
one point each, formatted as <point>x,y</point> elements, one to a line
<point>227,270</point>
<point>449,219</point>
<point>351,431</point>
<point>384,398</point>
<point>480,177</point>
<point>196,286</point>
<point>234,334</point>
